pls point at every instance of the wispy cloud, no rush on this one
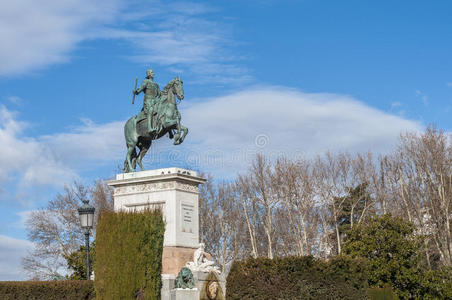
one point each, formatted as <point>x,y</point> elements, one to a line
<point>11,252</point>
<point>38,34</point>
<point>185,37</point>
<point>226,132</point>
<point>52,160</point>
<point>89,143</point>
<point>25,161</point>
<point>423,97</point>
<point>181,35</point>
<point>14,99</point>
<point>449,84</point>
<point>395,104</point>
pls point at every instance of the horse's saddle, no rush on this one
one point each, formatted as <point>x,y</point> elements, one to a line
<point>142,126</point>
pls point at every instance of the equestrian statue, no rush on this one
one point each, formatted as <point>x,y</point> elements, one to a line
<point>158,117</point>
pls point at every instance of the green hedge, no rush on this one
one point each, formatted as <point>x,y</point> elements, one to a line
<point>297,278</point>
<point>385,293</point>
<point>129,250</point>
<point>49,290</point>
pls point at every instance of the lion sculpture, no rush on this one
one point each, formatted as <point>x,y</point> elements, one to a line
<point>184,279</point>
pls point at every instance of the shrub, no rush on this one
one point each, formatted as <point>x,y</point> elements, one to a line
<point>297,278</point>
<point>381,293</point>
<point>437,284</point>
<point>129,250</point>
<point>76,262</point>
<point>49,290</point>
<point>392,251</point>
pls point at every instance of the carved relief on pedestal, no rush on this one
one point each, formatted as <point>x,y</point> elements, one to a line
<point>187,187</point>
<point>153,187</point>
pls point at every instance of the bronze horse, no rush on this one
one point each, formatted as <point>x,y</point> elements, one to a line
<point>168,120</point>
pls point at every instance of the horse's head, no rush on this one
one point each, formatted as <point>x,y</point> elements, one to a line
<point>175,86</point>
<point>178,87</point>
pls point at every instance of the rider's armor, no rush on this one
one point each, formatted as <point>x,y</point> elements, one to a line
<point>151,97</point>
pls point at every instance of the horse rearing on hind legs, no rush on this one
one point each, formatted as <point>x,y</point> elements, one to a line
<point>167,120</point>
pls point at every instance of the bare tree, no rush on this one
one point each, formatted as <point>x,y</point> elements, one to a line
<point>294,186</point>
<point>250,211</point>
<point>264,192</point>
<point>222,228</point>
<point>289,207</point>
<point>55,230</point>
<point>420,173</point>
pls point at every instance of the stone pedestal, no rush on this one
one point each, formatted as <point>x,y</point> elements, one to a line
<point>175,192</point>
<point>185,294</point>
<point>167,286</point>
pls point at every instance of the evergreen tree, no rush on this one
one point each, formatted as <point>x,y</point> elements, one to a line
<point>392,251</point>
<point>76,262</point>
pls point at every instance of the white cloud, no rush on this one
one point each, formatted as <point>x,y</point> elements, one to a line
<point>177,35</point>
<point>23,217</point>
<point>183,37</point>
<point>52,160</point>
<point>39,33</point>
<point>226,132</point>
<point>449,84</point>
<point>88,143</point>
<point>26,156</point>
<point>11,252</point>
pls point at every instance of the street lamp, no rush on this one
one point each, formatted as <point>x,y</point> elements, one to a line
<point>86,214</point>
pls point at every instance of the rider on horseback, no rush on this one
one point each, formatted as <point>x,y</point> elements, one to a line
<point>152,96</point>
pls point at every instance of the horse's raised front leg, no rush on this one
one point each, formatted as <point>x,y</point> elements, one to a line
<point>177,135</point>
<point>184,131</point>
<point>178,139</point>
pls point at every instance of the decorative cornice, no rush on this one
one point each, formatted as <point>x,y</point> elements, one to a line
<point>159,178</point>
<point>141,188</point>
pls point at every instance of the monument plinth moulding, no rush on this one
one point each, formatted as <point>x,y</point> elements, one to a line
<point>173,190</point>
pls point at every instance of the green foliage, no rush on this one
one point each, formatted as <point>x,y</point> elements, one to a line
<point>76,262</point>
<point>352,206</point>
<point>129,250</point>
<point>49,290</point>
<point>297,278</point>
<point>381,293</point>
<point>392,251</point>
<point>437,284</point>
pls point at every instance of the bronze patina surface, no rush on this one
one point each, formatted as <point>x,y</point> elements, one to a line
<point>158,117</point>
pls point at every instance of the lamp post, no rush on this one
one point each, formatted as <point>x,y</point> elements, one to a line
<point>86,214</point>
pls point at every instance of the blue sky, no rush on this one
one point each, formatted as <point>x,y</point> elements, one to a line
<point>293,78</point>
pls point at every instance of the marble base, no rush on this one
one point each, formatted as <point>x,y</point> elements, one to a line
<point>202,281</point>
<point>167,286</point>
<point>173,190</point>
<point>185,294</point>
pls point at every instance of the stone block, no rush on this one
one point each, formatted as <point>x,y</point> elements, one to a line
<point>185,294</point>
<point>167,286</point>
<point>175,258</point>
<point>173,190</point>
